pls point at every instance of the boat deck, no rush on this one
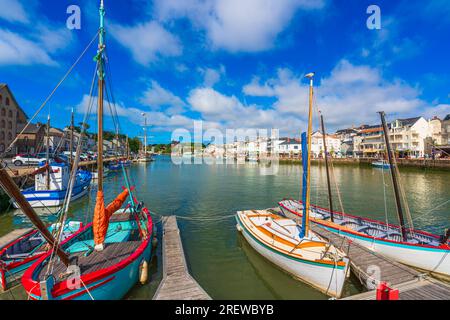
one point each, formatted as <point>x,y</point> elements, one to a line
<point>177,283</point>
<point>365,264</point>
<point>111,255</point>
<point>429,289</point>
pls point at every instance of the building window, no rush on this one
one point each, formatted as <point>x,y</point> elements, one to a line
<point>2,135</point>
<point>2,147</point>
<point>7,101</point>
<point>9,125</point>
<point>9,136</point>
<point>3,124</point>
<point>3,112</point>
<point>1,99</point>
<point>10,113</point>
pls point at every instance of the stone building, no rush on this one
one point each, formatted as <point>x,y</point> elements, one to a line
<point>11,116</point>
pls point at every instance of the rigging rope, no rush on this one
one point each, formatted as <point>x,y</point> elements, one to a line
<point>49,97</point>
<point>72,179</point>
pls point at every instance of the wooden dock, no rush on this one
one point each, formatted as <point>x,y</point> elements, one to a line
<point>27,170</point>
<point>13,235</point>
<point>372,268</point>
<point>177,283</point>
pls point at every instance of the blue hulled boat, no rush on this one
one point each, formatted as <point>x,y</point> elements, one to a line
<point>51,185</point>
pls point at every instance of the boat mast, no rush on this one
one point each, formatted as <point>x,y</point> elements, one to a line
<point>330,198</point>
<point>71,139</point>
<point>14,193</point>
<point>145,135</point>
<point>128,150</point>
<point>305,221</point>
<point>101,82</point>
<point>394,176</point>
<point>47,179</point>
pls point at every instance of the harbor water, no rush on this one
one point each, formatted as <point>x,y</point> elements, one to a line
<point>206,196</point>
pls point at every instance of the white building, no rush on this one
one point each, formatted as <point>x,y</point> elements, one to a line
<point>290,147</point>
<point>317,148</point>
<point>410,136</point>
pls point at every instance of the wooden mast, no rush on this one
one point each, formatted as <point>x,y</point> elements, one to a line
<point>145,136</point>
<point>305,228</point>
<point>330,198</point>
<point>71,139</point>
<point>101,82</point>
<point>14,193</point>
<point>394,177</point>
<point>47,178</point>
<point>128,150</point>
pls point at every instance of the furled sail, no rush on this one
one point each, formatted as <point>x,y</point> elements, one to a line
<point>102,215</point>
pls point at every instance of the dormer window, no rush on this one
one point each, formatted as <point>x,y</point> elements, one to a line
<point>7,101</point>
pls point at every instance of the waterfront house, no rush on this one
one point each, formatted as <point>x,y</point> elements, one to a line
<point>317,147</point>
<point>290,147</point>
<point>372,143</point>
<point>437,131</point>
<point>31,140</point>
<point>56,139</point>
<point>11,116</point>
<point>410,137</point>
<point>446,130</point>
<point>346,137</point>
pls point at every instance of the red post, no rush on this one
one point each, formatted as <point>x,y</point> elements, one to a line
<point>384,292</point>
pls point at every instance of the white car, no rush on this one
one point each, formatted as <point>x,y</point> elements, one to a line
<point>34,159</point>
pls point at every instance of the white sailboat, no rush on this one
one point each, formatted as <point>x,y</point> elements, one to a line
<point>403,243</point>
<point>296,249</point>
<point>145,157</point>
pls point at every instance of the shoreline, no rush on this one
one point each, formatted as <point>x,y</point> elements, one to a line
<point>437,164</point>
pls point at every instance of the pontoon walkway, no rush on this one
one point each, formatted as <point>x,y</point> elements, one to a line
<point>177,283</point>
<point>368,265</point>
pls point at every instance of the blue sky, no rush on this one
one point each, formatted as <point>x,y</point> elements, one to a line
<point>232,63</point>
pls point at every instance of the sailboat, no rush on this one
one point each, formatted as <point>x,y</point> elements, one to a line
<point>106,257</point>
<point>297,249</point>
<point>145,156</point>
<point>17,255</point>
<point>407,245</point>
<point>51,182</point>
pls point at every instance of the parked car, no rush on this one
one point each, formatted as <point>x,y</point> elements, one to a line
<point>29,159</point>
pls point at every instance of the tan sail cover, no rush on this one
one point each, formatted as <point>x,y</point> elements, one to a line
<point>101,214</point>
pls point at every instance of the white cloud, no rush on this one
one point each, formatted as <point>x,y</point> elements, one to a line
<point>147,42</point>
<point>13,11</point>
<point>212,76</point>
<point>53,39</point>
<point>231,113</point>
<point>350,95</point>
<point>17,50</point>
<point>235,25</point>
<point>156,97</point>
<point>159,121</point>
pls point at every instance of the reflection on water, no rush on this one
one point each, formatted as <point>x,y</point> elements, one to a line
<point>217,256</point>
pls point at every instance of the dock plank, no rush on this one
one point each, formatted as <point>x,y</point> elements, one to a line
<point>177,283</point>
<point>412,284</point>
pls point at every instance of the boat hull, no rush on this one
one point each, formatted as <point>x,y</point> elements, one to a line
<point>112,287</point>
<point>111,283</point>
<point>11,271</point>
<point>430,258</point>
<point>52,198</point>
<point>328,279</point>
